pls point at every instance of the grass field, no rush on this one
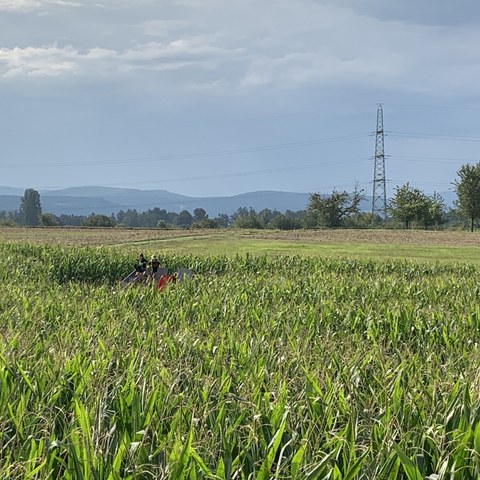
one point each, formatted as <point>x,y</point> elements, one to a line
<point>417,245</point>
<point>333,356</point>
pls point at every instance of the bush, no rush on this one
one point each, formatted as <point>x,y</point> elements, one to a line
<point>281,222</point>
<point>98,221</point>
<point>248,222</point>
<point>6,222</point>
<point>207,223</point>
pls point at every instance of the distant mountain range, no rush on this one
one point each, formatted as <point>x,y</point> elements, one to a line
<point>108,200</point>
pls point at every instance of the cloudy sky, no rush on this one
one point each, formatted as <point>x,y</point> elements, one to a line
<point>220,97</point>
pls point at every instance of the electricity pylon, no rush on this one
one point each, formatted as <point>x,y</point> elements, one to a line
<point>379,199</point>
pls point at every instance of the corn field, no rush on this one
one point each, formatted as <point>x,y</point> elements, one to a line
<point>254,368</point>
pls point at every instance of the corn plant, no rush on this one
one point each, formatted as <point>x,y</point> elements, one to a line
<point>256,367</point>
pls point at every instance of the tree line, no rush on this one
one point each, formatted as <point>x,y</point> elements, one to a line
<point>409,207</point>
<point>31,214</point>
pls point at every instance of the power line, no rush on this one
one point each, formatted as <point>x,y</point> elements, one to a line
<point>420,182</point>
<point>186,156</point>
<point>436,107</point>
<point>233,174</point>
<point>436,160</point>
<point>434,136</point>
<point>261,172</point>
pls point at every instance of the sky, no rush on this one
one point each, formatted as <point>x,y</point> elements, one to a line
<point>222,97</point>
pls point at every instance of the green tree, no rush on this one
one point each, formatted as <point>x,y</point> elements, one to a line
<point>184,219</point>
<point>98,221</point>
<point>248,221</point>
<point>7,222</point>
<point>467,187</point>
<point>282,222</point>
<point>30,208</point>
<point>130,218</point>
<point>364,220</point>
<point>199,215</point>
<point>222,220</point>
<point>150,218</point>
<point>312,218</point>
<point>436,214</point>
<point>409,204</point>
<point>241,212</point>
<point>331,210</point>
<point>266,216</point>
<point>50,220</point>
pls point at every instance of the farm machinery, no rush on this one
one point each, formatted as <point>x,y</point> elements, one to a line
<point>161,278</point>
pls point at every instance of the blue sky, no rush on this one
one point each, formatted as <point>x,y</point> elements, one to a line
<point>221,97</point>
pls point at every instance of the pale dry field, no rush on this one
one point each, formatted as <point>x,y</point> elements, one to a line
<point>91,236</point>
<point>128,236</point>
<point>404,237</point>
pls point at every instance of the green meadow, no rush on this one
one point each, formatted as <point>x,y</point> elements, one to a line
<point>260,246</point>
<point>277,359</point>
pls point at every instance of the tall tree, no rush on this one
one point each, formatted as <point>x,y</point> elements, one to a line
<point>408,204</point>
<point>199,215</point>
<point>184,219</point>
<point>30,208</point>
<point>222,220</point>
<point>467,187</point>
<point>334,208</point>
<point>436,210</point>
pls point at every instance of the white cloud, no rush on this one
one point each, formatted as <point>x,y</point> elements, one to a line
<point>20,4</point>
<point>160,65</point>
<point>242,44</point>
<point>336,47</point>
<point>29,5</point>
<point>55,61</point>
<point>49,61</point>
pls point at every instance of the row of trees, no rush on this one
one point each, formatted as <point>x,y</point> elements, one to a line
<point>338,209</point>
<point>30,214</point>
<point>409,207</point>
<point>412,205</point>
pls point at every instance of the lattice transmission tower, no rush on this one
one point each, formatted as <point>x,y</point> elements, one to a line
<point>379,199</point>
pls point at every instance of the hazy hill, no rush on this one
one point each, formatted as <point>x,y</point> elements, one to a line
<point>11,190</point>
<point>9,202</point>
<point>108,200</point>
